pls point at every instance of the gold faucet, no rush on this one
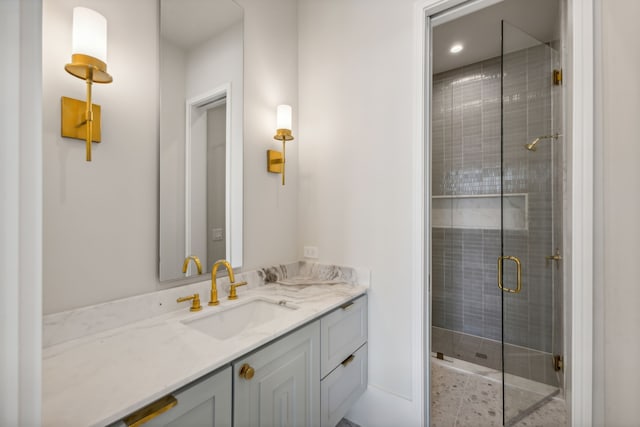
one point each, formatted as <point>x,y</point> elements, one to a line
<point>195,302</point>
<point>232,280</point>
<point>196,260</point>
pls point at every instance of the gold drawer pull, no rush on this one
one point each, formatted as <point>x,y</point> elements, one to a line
<point>348,360</point>
<point>347,306</point>
<point>150,411</point>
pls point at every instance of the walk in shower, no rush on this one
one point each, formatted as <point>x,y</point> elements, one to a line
<point>496,207</point>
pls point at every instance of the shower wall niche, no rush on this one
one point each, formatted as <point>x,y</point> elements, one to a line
<point>467,180</point>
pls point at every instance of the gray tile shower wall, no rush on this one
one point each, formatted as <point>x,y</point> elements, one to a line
<point>466,160</point>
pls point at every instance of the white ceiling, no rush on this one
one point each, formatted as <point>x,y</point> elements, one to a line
<point>187,23</point>
<point>480,31</point>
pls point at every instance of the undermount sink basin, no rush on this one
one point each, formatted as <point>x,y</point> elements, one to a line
<point>231,321</point>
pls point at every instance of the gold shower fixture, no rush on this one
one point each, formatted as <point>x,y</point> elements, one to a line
<point>276,159</point>
<point>81,120</point>
<point>532,145</point>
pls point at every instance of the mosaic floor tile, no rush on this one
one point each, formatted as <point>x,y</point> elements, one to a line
<point>473,398</point>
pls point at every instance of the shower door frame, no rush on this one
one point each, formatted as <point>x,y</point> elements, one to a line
<point>579,111</point>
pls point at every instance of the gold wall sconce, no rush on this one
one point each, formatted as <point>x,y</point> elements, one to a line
<point>276,159</point>
<point>80,119</point>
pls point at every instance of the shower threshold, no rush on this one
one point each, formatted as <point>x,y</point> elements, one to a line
<point>522,362</point>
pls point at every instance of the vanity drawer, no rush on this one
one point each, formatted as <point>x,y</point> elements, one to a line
<point>342,332</point>
<point>342,387</point>
<point>204,403</point>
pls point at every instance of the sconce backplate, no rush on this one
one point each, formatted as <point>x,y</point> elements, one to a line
<point>274,161</point>
<point>74,123</point>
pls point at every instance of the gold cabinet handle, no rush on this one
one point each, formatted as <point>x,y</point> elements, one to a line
<point>348,360</point>
<point>347,306</point>
<point>246,371</point>
<point>518,274</point>
<point>151,411</point>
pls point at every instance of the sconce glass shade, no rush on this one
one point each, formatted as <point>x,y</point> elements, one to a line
<point>89,33</point>
<point>283,117</point>
<point>283,123</point>
<point>89,46</point>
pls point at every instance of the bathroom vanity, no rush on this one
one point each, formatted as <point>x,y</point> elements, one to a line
<point>278,353</point>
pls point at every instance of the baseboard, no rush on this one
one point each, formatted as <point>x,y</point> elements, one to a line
<point>378,408</point>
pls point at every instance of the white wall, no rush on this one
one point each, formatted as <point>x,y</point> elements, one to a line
<point>270,78</point>
<point>216,61</point>
<point>101,218</point>
<point>357,131</point>
<point>100,226</point>
<point>616,366</point>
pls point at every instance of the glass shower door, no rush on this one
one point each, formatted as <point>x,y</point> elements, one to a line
<point>524,272</point>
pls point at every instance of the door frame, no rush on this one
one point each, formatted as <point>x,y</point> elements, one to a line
<point>21,214</point>
<point>580,118</point>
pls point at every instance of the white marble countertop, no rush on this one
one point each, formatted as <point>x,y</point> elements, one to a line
<point>97,379</point>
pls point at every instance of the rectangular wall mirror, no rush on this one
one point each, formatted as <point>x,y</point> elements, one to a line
<point>201,122</point>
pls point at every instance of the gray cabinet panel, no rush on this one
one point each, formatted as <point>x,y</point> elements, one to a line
<point>342,387</point>
<point>205,403</point>
<point>343,331</point>
<point>284,390</point>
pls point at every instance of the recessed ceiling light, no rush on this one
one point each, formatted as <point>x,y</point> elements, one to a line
<point>456,48</point>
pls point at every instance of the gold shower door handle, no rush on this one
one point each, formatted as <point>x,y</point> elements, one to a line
<point>518,274</point>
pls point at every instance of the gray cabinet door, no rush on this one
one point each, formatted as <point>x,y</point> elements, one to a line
<point>207,402</point>
<point>285,387</point>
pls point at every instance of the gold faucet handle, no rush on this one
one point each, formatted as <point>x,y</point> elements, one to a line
<point>195,302</point>
<point>232,291</point>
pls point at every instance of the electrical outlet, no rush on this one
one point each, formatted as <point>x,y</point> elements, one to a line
<point>311,252</point>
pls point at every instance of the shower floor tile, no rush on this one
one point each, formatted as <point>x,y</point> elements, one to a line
<point>464,394</point>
